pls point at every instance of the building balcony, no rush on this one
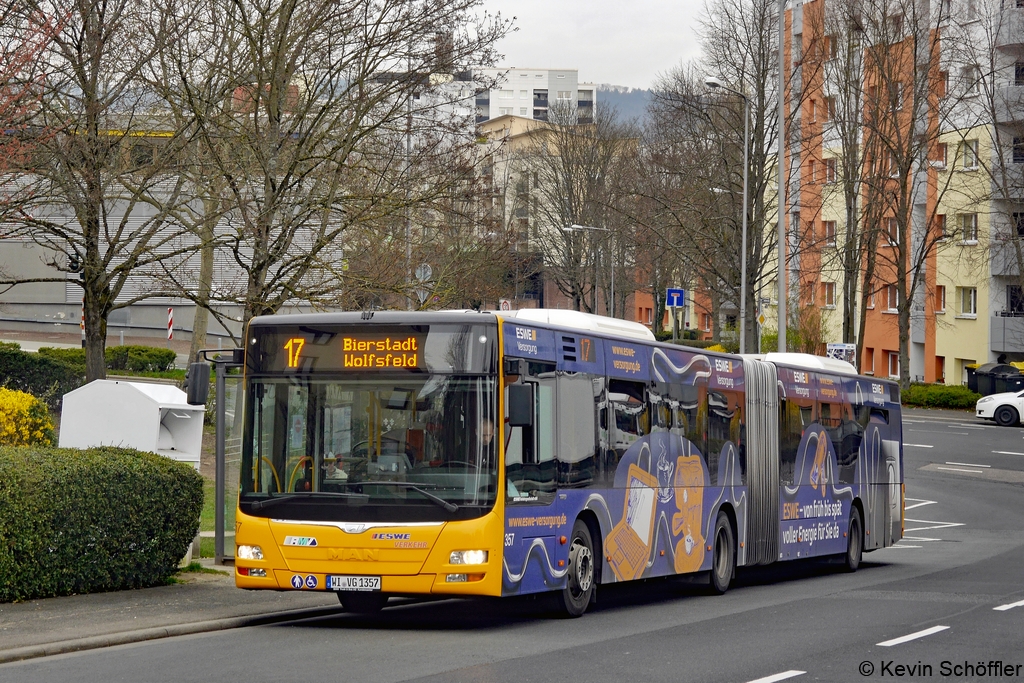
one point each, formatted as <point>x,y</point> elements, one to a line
<point>1011,28</point>
<point>1009,104</point>
<point>483,101</point>
<point>540,102</point>
<point>540,114</point>
<point>1006,332</point>
<point>584,104</point>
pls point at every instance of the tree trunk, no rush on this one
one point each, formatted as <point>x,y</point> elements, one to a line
<point>95,338</point>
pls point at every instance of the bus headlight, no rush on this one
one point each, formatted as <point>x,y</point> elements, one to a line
<point>249,552</point>
<point>468,557</point>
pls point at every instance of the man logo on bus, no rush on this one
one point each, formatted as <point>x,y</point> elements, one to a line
<point>527,334</point>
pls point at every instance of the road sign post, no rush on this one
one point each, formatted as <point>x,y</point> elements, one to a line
<point>675,298</point>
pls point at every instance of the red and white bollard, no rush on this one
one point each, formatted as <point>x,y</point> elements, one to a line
<point>81,324</point>
<point>170,325</point>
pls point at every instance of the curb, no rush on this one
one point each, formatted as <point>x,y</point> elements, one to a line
<point>95,642</point>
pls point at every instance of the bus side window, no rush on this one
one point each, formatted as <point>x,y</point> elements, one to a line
<point>631,412</point>
<point>692,417</point>
<point>578,453</point>
<point>530,467</point>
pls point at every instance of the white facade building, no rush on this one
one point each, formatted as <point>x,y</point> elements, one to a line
<point>529,93</point>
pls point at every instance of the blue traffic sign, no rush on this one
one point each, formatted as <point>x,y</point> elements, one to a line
<point>675,298</point>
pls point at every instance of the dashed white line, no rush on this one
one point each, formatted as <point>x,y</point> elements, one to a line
<point>779,677</point>
<point>918,502</point>
<point>918,445</point>
<point>968,464</point>
<point>1003,608</point>
<point>935,525</point>
<point>1008,453</point>
<point>958,469</point>
<point>912,636</point>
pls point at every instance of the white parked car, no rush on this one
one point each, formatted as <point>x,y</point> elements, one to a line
<point>1005,409</point>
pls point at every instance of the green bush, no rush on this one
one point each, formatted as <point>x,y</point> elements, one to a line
<point>46,378</point>
<point>82,521</point>
<point>12,346</point>
<point>131,358</point>
<point>940,396</point>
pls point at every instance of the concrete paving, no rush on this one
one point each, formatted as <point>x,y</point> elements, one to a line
<point>198,603</point>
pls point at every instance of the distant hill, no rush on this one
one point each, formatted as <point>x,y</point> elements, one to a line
<point>631,103</point>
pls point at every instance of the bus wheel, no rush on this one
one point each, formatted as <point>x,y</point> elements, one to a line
<point>723,558</point>
<point>362,603</point>
<point>1006,417</point>
<point>854,541</point>
<point>579,587</point>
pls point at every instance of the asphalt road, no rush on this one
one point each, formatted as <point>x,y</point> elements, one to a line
<point>928,604</point>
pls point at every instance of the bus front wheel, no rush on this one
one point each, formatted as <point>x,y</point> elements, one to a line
<point>723,558</point>
<point>854,541</point>
<point>579,585</point>
<point>362,603</point>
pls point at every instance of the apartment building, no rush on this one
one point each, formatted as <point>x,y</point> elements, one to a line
<point>530,94</point>
<point>956,231</point>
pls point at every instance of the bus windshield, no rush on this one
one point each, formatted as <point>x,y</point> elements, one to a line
<point>366,448</point>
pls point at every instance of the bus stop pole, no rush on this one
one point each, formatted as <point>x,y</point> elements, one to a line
<point>220,465</point>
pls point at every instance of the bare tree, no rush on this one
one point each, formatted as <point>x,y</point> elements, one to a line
<point>334,113</point>
<point>98,179</point>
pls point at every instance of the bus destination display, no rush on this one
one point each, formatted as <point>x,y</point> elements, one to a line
<point>303,350</point>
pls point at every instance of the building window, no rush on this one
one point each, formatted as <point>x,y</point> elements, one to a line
<point>939,155</point>
<point>830,108</point>
<point>869,361</point>
<point>969,154</point>
<point>892,296</point>
<point>706,322</point>
<point>896,96</point>
<point>830,233</point>
<point>941,226</point>
<point>831,47</point>
<point>970,80</point>
<point>968,297</point>
<point>812,171</point>
<point>1014,299</point>
<point>524,94</point>
<point>830,294</point>
<point>830,170</point>
<point>506,94</point>
<point>564,95</point>
<point>1018,150</point>
<point>892,231</point>
<point>942,84</point>
<point>812,111</point>
<point>1018,223</point>
<point>522,111</point>
<point>894,365</point>
<point>871,297</point>
<point>972,10</point>
<point>969,227</point>
<point>940,298</point>
<point>1018,73</point>
<point>894,167</point>
<point>505,111</point>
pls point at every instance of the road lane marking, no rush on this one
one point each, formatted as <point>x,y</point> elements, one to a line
<point>968,464</point>
<point>912,636</point>
<point>918,445</point>
<point>1007,453</point>
<point>1003,608</point>
<point>900,545</point>
<point>779,677</point>
<point>963,426</point>
<point>918,502</point>
<point>957,469</point>
<point>935,525</point>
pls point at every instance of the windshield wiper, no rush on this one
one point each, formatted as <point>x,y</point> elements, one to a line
<point>450,507</point>
<point>276,498</point>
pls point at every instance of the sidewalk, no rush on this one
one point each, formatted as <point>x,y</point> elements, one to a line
<point>201,603</point>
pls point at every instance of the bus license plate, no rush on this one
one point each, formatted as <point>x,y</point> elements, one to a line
<point>353,583</point>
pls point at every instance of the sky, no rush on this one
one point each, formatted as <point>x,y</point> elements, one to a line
<point>621,42</point>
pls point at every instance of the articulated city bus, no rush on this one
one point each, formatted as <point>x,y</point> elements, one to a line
<point>476,453</point>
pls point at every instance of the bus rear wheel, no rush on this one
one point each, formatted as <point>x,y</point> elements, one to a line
<point>362,603</point>
<point>723,557</point>
<point>854,541</point>
<point>579,585</point>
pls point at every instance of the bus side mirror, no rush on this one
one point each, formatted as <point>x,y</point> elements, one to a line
<point>520,405</point>
<point>197,383</point>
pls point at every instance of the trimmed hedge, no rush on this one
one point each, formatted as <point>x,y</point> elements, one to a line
<point>132,358</point>
<point>953,396</point>
<point>84,521</point>
<point>45,378</point>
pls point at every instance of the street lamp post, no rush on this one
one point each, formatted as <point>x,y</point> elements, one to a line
<point>611,260</point>
<point>713,82</point>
